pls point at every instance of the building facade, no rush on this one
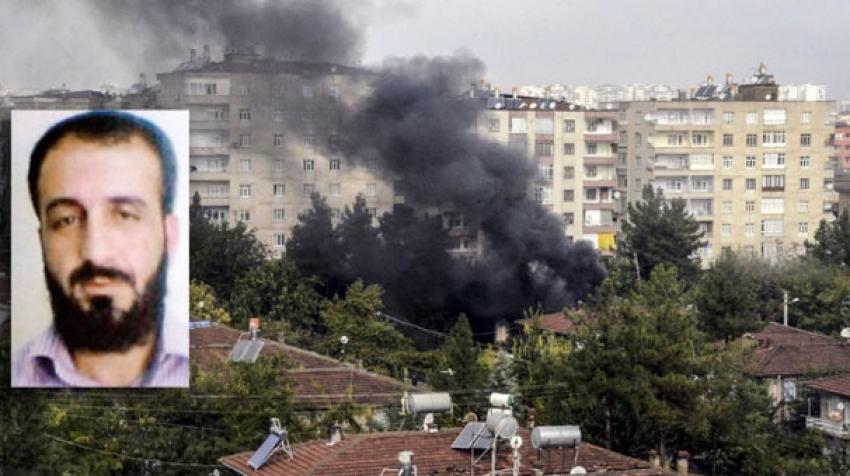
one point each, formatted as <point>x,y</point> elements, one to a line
<point>264,136</point>
<point>754,172</point>
<point>575,151</point>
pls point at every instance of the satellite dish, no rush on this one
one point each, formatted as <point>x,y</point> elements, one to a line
<point>845,333</point>
<point>498,105</point>
<point>516,442</point>
<point>572,107</point>
<point>840,406</point>
<point>343,340</point>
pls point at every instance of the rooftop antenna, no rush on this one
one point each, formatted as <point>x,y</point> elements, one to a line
<point>278,440</point>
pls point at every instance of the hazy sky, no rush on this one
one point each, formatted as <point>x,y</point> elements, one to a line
<point>45,43</point>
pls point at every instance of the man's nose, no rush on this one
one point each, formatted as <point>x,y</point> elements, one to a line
<point>98,242</point>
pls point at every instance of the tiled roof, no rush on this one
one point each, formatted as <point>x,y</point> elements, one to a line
<point>555,322</point>
<point>318,380</point>
<point>371,453</point>
<point>839,385</point>
<point>785,350</point>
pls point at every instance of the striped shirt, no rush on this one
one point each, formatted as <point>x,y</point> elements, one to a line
<point>46,362</point>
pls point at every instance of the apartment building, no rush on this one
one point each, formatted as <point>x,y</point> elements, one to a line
<point>575,151</point>
<point>264,136</point>
<point>755,172</point>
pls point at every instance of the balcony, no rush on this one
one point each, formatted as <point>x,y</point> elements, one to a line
<point>205,99</point>
<point>609,136</point>
<point>600,160</point>
<point>828,427</point>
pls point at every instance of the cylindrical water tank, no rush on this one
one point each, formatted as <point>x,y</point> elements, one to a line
<point>429,403</point>
<point>556,436</point>
<point>501,400</point>
<point>502,425</point>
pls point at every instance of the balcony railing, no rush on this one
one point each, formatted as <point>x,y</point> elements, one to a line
<point>829,427</point>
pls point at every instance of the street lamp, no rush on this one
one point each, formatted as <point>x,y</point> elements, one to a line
<point>785,307</point>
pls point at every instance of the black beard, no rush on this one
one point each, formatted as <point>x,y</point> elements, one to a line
<point>103,328</point>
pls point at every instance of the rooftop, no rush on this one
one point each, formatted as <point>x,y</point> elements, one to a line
<point>785,350</point>
<point>371,453</point>
<point>838,385</point>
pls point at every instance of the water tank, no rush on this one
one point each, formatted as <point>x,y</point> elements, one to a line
<point>429,403</point>
<point>503,425</point>
<point>556,436</point>
<point>501,400</point>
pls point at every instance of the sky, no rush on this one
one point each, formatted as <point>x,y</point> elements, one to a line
<point>47,43</point>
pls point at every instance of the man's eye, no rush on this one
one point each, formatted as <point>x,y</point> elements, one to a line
<point>127,215</point>
<point>64,221</point>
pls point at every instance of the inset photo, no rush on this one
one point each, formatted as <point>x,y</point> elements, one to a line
<point>100,248</point>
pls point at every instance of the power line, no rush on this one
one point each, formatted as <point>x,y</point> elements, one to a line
<point>132,458</point>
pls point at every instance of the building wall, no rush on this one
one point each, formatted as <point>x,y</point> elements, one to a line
<point>711,155</point>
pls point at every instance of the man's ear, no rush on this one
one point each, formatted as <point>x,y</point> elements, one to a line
<point>172,233</point>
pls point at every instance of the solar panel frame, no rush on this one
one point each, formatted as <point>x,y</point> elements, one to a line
<point>264,452</point>
<point>252,351</point>
<point>465,437</point>
<point>238,352</point>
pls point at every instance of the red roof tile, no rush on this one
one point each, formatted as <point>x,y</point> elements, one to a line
<point>318,381</point>
<point>785,350</point>
<point>555,322</point>
<point>371,453</point>
<point>839,385</point>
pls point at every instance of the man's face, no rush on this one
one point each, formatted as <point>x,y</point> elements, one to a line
<point>103,231</point>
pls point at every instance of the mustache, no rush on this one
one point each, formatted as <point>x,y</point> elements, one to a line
<point>88,271</point>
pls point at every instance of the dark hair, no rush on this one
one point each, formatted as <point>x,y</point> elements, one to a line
<point>107,126</point>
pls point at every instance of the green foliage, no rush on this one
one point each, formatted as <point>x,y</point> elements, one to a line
<point>832,242</point>
<point>277,293</point>
<point>369,339</point>
<point>359,240</point>
<point>315,249</point>
<point>204,305</point>
<point>823,293</point>
<point>726,299</point>
<point>660,231</point>
<point>459,370</point>
<point>220,254</point>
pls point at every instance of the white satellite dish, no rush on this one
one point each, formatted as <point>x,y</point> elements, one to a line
<point>840,406</point>
<point>845,333</point>
<point>516,442</point>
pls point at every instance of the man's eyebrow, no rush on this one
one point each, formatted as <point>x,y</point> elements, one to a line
<point>128,200</point>
<point>60,202</point>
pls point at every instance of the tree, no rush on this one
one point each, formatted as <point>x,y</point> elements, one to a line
<point>204,305</point>
<point>823,294</point>
<point>660,231</point>
<point>726,299</point>
<point>832,241</point>
<point>458,368</point>
<point>359,242</point>
<point>315,249</point>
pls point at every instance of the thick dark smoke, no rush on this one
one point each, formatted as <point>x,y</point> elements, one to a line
<point>314,30</point>
<point>418,126</point>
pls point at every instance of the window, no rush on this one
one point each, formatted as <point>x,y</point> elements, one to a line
<point>278,140</point>
<point>372,164</point>
<point>771,227</point>
<point>217,114</point>
<point>245,191</point>
<point>243,215</point>
<point>726,229</point>
<point>335,214</point>
<point>209,164</point>
<point>751,162</point>
<point>569,172</point>
<point>638,138</point>
<point>749,229</point>
<point>701,184</point>
<point>309,165</point>
<point>728,140</point>
<point>805,161</point>
<point>245,166</point>
<point>569,125</point>
<point>590,171</point>
<point>334,189</point>
<point>569,195</point>
<point>773,182</point>
<point>728,118</point>
<point>543,148</point>
<point>699,138</point>
<point>277,116</point>
<point>278,215</point>
<point>217,190</point>
<point>728,162</point>
<point>803,206</point>
<point>493,125</point>
<point>773,205</point>
<point>590,148</point>
<point>309,141</point>
<point>804,184</point>
<point>727,184</point>
<point>245,140</point>
<point>750,184</point>
<point>546,171</point>
<point>774,117</point>
<point>544,125</point>
<point>244,114</point>
<point>279,239</point>
<point>675,139</point>
<point>752,140</point>
<point>371,189</point>
<point>773,160</point>
<point>803,228</point>
<point>569,149</point>
<point>726,207</point>
<point>244,89</point>
<point>307,91</point>
<point>750,206</point>
<point>773,138</point>
<point>308,189</point>
<point>543,195</point>
<point>805,140</point>
<point>278,165</point>
<point>752,118</point>
<point>334,164</point>
<point>373,212</point>
<point>805,117</point>
<point>519,125</point>
<point>279,189</point>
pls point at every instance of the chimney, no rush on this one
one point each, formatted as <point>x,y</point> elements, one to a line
<point>654,459</point>
<point>405,460</point>
<point>335,435</point>
<point>501,333</point>
<point>193,53</point>
<point>682,462</point>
